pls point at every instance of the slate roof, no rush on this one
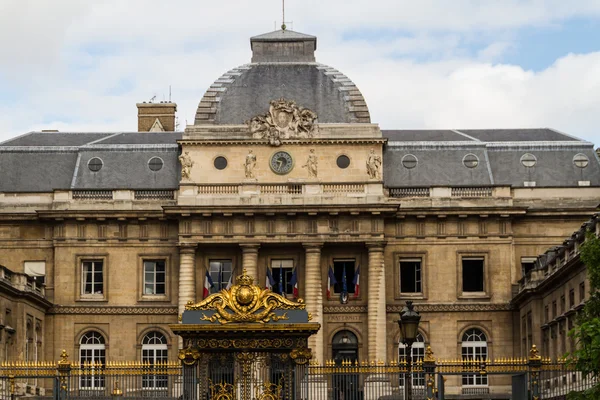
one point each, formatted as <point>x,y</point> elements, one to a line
<point>246,91</point>
<point>440,155</point>
<point>55,139</point>
<point>47,161</point>
<point>282,35</point>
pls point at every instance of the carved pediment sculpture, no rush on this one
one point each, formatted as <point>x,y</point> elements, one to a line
<point>245,302</point>
<point>285,120</point>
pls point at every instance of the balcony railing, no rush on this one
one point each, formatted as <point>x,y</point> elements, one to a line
<point>154,195</point>
<point>472,192</point>
<point>92,195</point>
<point>410,192</point>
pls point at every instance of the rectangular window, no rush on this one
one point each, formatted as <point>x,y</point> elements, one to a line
<point>571,298</point>
<point>154,278</point>
<point>527,264</point>
<point>220,273</point>
<point>37,270</point>
<point>341,268</point>
<point>282,271</point>
<point>546,313</point>
<point>563,304</point>
<point>554,311</point>
<point>582,292</point>
<point>410,276</point>
<point>472,274</point>
<point>92,278</point>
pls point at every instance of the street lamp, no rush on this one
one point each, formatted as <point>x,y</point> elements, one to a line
<point>409,324</point>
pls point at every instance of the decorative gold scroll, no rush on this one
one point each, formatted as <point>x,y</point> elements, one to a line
<point>245,302</point>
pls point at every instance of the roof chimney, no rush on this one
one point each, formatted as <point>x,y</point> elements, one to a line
<point>283,46</point>
<point>156,117</point>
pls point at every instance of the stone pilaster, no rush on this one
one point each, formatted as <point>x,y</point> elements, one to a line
<point>313,295</point>
<point>187,281</point>
<point>376,298</point>
<point>250,261</point>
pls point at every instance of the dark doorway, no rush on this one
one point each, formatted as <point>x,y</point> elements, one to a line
<point>345,350</point>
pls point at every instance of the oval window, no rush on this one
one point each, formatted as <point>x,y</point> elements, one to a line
<point>581,160</point>
<point>528,160</point>
<point>95,164</point>
<point>155,164</point>
<point>470,161</point>
<point>220,162</point>
<point>409,161</point>
<point>343,161</point>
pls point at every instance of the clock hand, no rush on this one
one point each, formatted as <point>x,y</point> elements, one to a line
<point>279,162</point>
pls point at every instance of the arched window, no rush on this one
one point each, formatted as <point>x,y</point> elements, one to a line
<point>417,354</point>
<point>474,347</point>
<point>154,351</point>
<point>345,347</point>
<point>92,352</point>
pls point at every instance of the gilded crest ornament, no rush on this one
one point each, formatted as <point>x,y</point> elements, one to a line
<point>245,302</point>
<point>285,120</point>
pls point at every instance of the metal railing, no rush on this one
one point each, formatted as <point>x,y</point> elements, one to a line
<point>335,380</point>
<point>471,192</point>
<point>154,195</point>
<point>92,195</point>
<point>410,192</point>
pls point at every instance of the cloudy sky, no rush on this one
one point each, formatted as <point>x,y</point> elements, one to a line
<point>78,65</point>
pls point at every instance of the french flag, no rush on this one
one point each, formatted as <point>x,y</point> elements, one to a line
<point>330,282</point>
<point>230,281</point>
<point>208,284</point>
<point>294,283</point>
<point>356,281</point>
<point>269,281</point>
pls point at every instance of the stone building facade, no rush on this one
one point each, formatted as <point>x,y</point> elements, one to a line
<point>551,292</point>
<point>284,174</point>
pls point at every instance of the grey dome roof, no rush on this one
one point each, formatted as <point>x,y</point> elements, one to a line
<point>282,66</point>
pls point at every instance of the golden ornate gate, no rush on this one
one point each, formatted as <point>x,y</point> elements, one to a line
<point>245,343</point>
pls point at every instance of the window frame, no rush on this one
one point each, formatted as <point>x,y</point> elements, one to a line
<point>344,259</point>
<point>286,281</point>
<point>475,345</point>
<point>218,285</point>
<point>80,284</point>
<point>155,382</point>
<point>417,354</point>
<point>416,281</point>
<point>98,381</point>
<point>142,259</point>
<point>461,294</point>
<point>398,257</point>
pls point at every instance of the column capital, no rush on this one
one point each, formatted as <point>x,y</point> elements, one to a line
<point>249,247</point>
<point>187,248</point>
<point>375,246</point>
<point>311,247</point>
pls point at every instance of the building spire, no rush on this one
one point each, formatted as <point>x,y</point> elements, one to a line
<point>283,15</point>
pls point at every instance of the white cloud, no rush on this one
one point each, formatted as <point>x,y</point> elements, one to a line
<point>69,60</point>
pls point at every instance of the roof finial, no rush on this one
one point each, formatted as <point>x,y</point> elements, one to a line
<point>283,12</point>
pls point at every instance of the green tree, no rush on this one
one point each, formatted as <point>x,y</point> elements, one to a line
<point>586,358</point>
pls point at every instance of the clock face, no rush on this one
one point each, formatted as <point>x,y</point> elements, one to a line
<point>281,162</point>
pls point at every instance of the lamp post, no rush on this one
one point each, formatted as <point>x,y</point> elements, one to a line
<point>409,324</point>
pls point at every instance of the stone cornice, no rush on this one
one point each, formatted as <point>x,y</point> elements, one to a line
<point>262,142</point>
<point>467,307</point>
<point>102,310</point>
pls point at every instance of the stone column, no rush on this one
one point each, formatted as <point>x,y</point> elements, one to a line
<point>313,295</point>
<point>376,306</point>
<point>250,261</point>
<point>187,278</point>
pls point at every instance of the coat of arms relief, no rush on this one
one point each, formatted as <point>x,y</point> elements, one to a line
<point>285,120</point>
